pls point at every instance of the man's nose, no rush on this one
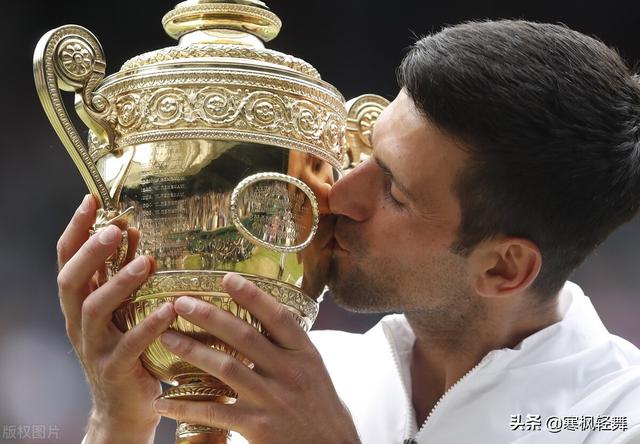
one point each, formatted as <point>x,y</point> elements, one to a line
<point>353,195</point>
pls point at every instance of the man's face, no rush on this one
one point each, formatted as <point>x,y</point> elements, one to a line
<point>397,217</point>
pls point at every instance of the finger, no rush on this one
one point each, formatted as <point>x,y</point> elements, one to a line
<point>225,367</point>
<point>231,330</point>
<point>101,277</point>
<point>133,236</point>
<point>77,231</point>
<point>75,277</point>
<point>98,307</point>
<point>275,318</point>
<point>89,258</point>
<point>223,416</point>
<point>134,342</point>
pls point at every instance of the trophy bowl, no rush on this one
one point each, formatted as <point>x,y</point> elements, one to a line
<point>215,150</point>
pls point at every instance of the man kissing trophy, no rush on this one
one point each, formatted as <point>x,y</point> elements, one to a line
<point>208,156</point>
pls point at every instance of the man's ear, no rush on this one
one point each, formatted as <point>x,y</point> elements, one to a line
<point>504,266</point>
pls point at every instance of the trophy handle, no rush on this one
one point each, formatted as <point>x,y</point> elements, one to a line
<point>254,204</point>
<point>362,113</point>
<point>70,58</point>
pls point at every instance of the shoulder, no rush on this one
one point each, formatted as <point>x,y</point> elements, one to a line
<point>612,395</point>
<point>374,341</point>
<point>627,352</point>
<point>363,371</point>
<point>341,345</point>
<point>348,356</point>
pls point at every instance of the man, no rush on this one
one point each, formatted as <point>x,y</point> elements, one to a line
<point>511,152</point>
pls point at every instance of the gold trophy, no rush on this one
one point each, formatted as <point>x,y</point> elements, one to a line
<point>213,149</point>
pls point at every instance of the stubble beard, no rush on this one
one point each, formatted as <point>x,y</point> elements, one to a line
<point>440,304</point>
<point>353,287</point>
<point>434,292</point>
<point>357,291</point>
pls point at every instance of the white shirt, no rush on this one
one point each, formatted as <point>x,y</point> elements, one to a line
<point>574,368</point>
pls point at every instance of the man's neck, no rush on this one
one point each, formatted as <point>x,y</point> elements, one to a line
<point>441,356</point>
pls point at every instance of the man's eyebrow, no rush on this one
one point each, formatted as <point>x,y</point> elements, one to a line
<point>387,171</point>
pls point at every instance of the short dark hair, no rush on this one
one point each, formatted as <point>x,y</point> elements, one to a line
<point>551,120</point>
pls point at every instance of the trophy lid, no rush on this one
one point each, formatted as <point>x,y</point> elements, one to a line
<point>234,29</point>
<point>220,83</point>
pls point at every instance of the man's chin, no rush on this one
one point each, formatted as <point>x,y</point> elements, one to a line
<point>357,305</point>
<point>352,291</point>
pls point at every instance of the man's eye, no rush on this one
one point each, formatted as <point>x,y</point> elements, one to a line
<point>389,197</point>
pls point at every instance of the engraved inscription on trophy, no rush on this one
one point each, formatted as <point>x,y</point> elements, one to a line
<point>160,209</point>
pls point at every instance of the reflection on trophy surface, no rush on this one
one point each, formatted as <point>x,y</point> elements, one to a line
<point>221,153</point>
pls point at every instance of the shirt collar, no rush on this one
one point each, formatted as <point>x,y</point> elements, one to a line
<point>577,330</point>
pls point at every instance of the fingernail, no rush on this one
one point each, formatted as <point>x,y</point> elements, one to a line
<point>138,266</point>
<point>235,282</point>
<point>185,305</point>
<point>108,235</point>
<point>165,312</point>
<point>161,406</point>
<point>84,206</point>
<point>170,339</point>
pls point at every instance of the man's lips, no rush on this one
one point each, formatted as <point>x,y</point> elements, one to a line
<point>336,245</point>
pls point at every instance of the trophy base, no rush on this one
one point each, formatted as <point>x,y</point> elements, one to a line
<point>191,383</point>
<point>202,388</point>
<point>192,434</point>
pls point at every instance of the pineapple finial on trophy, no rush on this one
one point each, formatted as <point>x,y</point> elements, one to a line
<point>240,22</point>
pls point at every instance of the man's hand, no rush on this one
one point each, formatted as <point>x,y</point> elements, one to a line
<point>287,398</point>
<point>123,391</point>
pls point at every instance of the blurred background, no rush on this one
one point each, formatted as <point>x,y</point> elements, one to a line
<point>355,45</point>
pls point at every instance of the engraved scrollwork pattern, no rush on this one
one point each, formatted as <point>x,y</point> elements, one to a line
<point>265,111</point>
<point>194,390</point>
<point>186,429</point>
<point>307,120</point>
<point>176,282</point>
<point>218,105</point>
<point>167,106</point>
<point>76,58</point>
<point>235,109</point>
<point>81,65</point>
<point>366,123</point>
<point>227,51</point>
<point>128,111</point>
<point>334,136</point>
